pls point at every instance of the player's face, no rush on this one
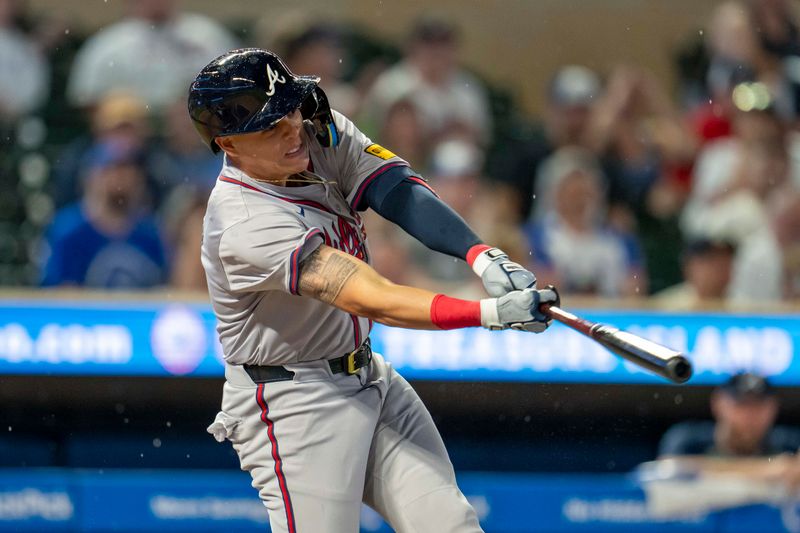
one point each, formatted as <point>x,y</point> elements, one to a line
<point>271,155</point>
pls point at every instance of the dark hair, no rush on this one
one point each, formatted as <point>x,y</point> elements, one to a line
<point>319,32</point>
<point>703,246</point>
<point>433,29</point>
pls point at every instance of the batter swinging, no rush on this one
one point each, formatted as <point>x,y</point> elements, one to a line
<point>319,421</point>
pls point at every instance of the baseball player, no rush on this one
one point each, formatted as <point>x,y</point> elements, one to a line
<point>320,422</point>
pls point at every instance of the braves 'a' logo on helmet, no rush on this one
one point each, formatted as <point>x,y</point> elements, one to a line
<point>273,78</point>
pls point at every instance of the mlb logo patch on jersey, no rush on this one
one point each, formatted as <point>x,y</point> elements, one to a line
<point>379,151</point>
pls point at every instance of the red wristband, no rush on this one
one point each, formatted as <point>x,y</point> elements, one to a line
<point>452,313</point>
<point>475,251</point>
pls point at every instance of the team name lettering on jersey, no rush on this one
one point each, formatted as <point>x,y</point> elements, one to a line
<point>347,238</point>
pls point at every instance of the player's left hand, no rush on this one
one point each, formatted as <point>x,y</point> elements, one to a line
<point>500,275</point>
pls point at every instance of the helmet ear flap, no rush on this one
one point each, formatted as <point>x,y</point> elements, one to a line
<point>317,110</point>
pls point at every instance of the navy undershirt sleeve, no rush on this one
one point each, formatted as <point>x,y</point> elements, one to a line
<point>417,210</point>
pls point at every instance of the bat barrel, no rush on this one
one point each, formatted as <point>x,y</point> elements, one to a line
<point>649,355</point>
<point>658,359</point>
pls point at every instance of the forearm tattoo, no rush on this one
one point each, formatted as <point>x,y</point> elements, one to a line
<point>323,279</point>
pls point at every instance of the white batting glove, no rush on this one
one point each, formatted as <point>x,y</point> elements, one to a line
<point>500,275</point>
<point>518,310</point>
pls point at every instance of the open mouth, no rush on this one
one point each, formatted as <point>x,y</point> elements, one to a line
<point>297,150</point>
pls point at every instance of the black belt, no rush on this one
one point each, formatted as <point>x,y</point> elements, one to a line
<point>348,364</point>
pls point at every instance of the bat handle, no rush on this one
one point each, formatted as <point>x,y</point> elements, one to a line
<point>556,313</point>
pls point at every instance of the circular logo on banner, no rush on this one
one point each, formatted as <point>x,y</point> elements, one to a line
<point>178,339</point>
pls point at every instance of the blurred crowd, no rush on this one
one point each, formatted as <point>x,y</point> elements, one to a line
<point>622,187</point>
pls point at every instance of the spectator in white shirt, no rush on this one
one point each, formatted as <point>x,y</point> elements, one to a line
<point>155,52</point>
<point>741,186</point>
<point>429,76</point>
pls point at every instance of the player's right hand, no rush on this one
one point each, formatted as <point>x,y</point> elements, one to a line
<point>518,310</point>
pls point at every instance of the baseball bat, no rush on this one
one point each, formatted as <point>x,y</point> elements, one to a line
<point>647,354</point>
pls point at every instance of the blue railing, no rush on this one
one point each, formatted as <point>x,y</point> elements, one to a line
<point>143,501</point>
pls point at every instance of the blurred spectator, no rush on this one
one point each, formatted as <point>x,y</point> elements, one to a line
<point>744,409</point>
<point>786,223</point>
<point>429,76</point>
<point>24,72</point>
<point>742,448</point>
<point>314,47</point>
<point>707,269</point>
<point>766,267</point>
<point>155,52</point>
<point>455,173</point>
<point>777,27</point>
<point>106,240</point>
<point>120,118</point>
<point>756,40</point>
<point>740,187</point>
<point>570,96</point>
<point>642,140</point>
<point>401,131</point>
<point>180,157</point>
<point>390,252</point>
<point>646,150</point>
<point>745,41</point>
<point>572,247</point>
<point>733,53</point>
<point>183,217</point>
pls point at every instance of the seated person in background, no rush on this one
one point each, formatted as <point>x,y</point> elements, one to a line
<point>741,458</point>
<point>570,242</point>
<point>743,442</point>
<point>744,409</point>
<point>107,240</point>
<point>707,267</point>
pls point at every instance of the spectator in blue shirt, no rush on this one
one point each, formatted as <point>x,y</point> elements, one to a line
<point>107,239</point>
<point>572,247</point>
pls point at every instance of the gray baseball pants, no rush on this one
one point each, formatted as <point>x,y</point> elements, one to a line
<point>319,445</point>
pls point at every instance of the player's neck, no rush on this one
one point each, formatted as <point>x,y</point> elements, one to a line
<point>293,180</point>
<point>257,173</point>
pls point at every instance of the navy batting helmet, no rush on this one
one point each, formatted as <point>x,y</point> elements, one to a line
<point>251,89</point>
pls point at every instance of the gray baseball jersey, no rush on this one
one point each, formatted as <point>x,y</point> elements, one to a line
<point>320,444</point>
<point>254,236</point>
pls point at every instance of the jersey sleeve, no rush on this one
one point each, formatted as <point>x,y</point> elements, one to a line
<point>263,253</point>
<point>359,161</point>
